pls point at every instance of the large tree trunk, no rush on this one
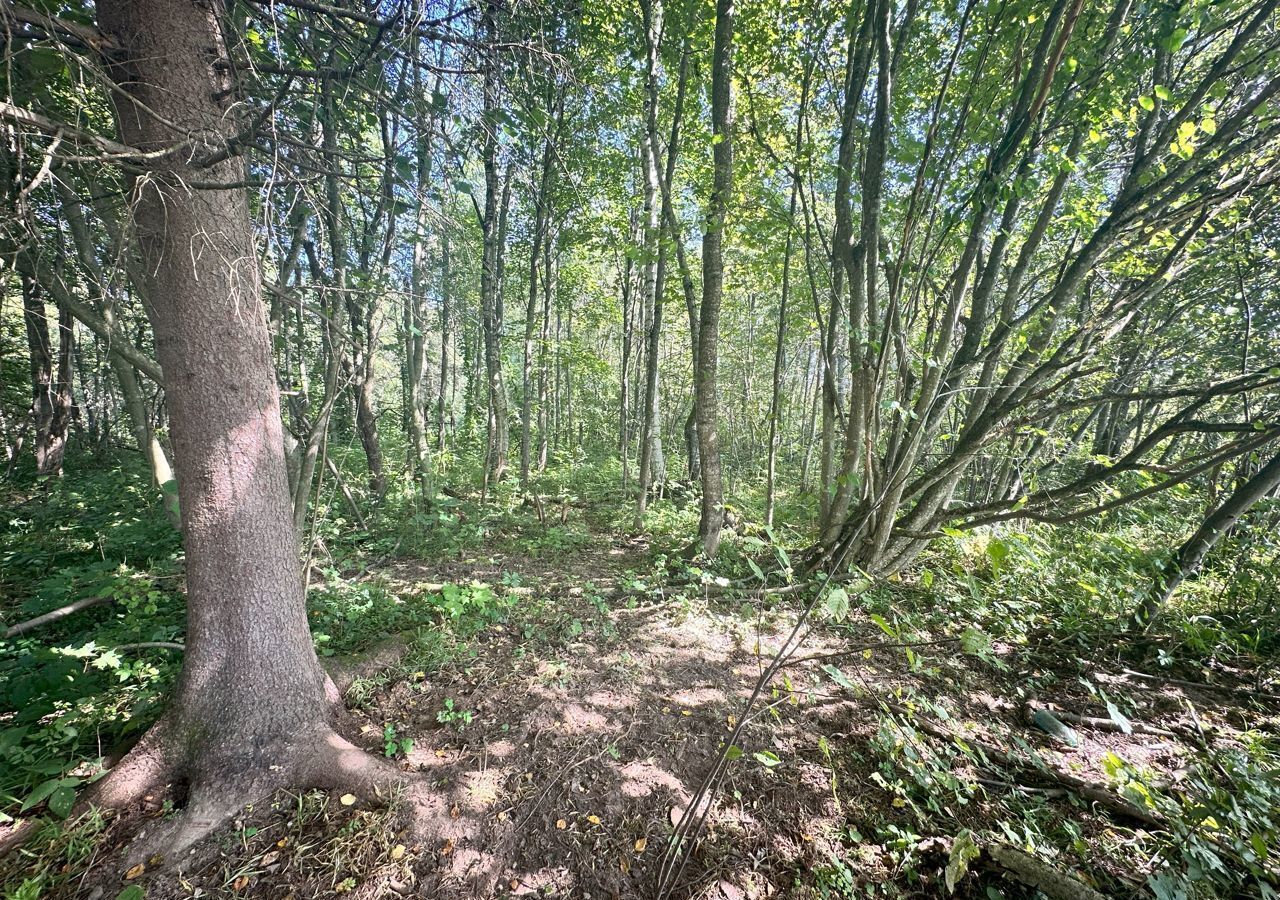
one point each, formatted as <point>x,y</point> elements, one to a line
<point>251,712</point>
<point>705,388</point>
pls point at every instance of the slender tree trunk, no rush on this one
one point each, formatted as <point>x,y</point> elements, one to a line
<point>1191,554</point>
<point>540,218</point>
<point>50,392</point>
<point>144,434</point>
<point>490,271</point>
<point>705,388</point>
<point>652,466</point>
<point>126,376</point>
<point>416,305</point>
<point>624,372</point>
<point>779,358</point>
<point>360,312</point>
<point>446,336</point>
<point>544,351</point>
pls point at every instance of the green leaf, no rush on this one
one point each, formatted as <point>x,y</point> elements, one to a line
<point>1146,103</point>
<point>1259,844</point>
<point>42,791</point>
<point>61,801</point>
<point>108,660</point>
<point>974,641</point>
<point>1163,92</point>
<point>734,752</point>
<point>963,851</point>
<point>1175,40</point>
<point>1119,718</point>
<point>836,604</point>
<point>768,759</point>
<point>884,626</point>
<point>839,678</point>
<point>132,892</point>
<point>997,552</point>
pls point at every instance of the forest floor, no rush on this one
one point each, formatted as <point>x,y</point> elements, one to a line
<point>570,734</point>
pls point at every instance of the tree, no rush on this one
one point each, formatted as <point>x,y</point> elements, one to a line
<point>51,403</point>
<point>705,387</point>
<point>1192,553</point>
<point>493,222</point>
<point>251,712</point>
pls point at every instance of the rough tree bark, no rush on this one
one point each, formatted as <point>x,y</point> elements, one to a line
<point>705,389</point>
<point>252,711</point>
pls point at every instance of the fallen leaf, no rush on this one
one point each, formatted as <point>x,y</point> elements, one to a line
<point>136,871</point>
<point>454,812</point>
<point>641,843</point>
<point>624,864</point>
<point>283,842</point>
<point>269,858</point>
<point>447,848</point>
<point>397,852</point>
<point>594,820</point>
<point>685,712</point>
<point>898,802</point>
<point>347,799</point>
<point>561,824</point>
<point>240,883</point>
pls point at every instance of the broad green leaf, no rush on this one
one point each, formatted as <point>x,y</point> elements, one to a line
<point>963,851</point>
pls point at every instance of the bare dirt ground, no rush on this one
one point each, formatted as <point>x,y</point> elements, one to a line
<point>565,747</point>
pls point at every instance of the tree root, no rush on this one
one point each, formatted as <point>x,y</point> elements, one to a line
<point>215,794</point>
<point>347,669</point>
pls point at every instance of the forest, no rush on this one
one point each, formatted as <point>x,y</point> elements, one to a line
<point>640,449</point>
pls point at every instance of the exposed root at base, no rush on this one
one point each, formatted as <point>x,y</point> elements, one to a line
<point>328,761</point>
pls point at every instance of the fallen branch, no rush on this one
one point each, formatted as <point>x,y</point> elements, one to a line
<point>1089,790</point>
<point>1100,724</point>
<point>1204,686</point>
<point>54,615</point>
<point>151,645</point>
<point>1036,873</point>
<point>880,645</point>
